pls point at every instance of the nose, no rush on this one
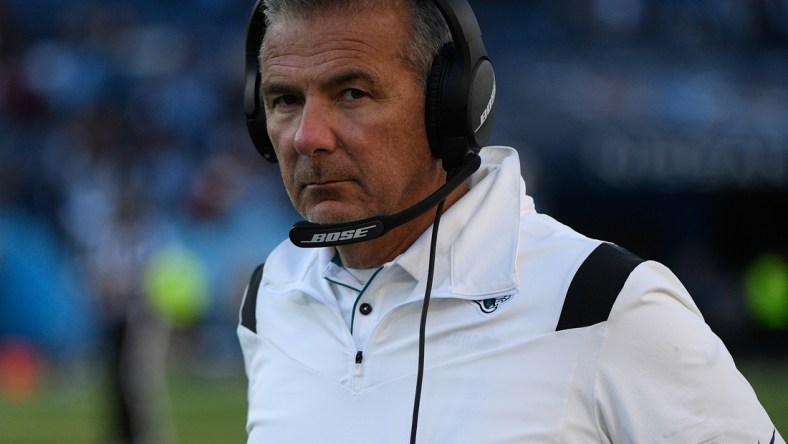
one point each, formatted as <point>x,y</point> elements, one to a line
<point>315,132</point>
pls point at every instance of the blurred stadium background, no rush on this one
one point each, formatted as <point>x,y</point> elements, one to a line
<point>661,125</point>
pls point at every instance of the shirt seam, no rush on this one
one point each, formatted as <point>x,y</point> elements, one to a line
<point>595,386</point>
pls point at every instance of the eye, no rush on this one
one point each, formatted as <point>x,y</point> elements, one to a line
<point>353,94</point>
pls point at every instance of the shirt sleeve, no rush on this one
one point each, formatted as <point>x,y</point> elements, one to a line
<point>664,377</point>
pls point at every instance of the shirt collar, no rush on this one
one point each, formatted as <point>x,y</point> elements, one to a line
<point>478,235</point>
<point>477,240</point>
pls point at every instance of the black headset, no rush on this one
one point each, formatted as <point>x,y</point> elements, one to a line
<point>460,94</point>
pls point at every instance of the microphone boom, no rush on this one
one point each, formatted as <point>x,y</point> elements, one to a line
<point>311,235</point>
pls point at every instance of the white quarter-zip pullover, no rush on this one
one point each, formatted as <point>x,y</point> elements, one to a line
<point>497,370</point>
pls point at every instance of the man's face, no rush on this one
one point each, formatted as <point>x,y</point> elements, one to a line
<point>346,116</point>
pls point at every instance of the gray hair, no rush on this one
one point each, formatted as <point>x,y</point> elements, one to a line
<point>428,28</point>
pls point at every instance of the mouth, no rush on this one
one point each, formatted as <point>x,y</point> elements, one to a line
<point>326,183</point>
<point>324,190</point>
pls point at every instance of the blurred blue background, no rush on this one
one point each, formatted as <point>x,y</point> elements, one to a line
<point>661,125</point>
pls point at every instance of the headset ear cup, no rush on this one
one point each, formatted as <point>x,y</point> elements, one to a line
<point>433,96</point>
<point>253,104</point>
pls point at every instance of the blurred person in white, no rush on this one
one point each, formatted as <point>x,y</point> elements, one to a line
<point>534,333</point>
<point>135,338</point>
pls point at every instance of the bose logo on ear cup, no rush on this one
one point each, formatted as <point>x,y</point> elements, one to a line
<point>487,110</point>
<point>481,102</point>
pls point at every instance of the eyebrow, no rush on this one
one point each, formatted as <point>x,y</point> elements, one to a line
<point>277,88</point>
<point>350,76</point>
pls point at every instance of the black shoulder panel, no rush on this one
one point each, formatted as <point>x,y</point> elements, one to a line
<point>596,286</point>
<point>249,308</point>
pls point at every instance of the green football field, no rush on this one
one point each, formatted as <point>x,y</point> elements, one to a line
<point>211,411</point>
<point>201,411</point>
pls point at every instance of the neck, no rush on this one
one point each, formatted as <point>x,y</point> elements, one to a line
<point>376,252</point>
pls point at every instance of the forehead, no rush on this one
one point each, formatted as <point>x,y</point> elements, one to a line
<point>372,38</point>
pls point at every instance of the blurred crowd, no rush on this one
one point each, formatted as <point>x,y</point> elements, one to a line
<point>122,139</point>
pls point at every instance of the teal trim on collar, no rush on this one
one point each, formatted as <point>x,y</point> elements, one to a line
<point>336,260</point>
<point>343,285</point>
<point>355,304</point>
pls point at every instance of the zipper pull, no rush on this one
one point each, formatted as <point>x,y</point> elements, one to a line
<point>359,360</point>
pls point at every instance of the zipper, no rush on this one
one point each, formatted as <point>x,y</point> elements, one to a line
<point>359,361</point>
<point>360,354</point>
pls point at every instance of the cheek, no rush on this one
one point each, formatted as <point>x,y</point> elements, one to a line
<point>277,133</point>
<point>410,140</point>
<point>285,154</point>
<point>287,171</point>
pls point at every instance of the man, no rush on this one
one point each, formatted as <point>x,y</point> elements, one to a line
<point>331,336</point>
